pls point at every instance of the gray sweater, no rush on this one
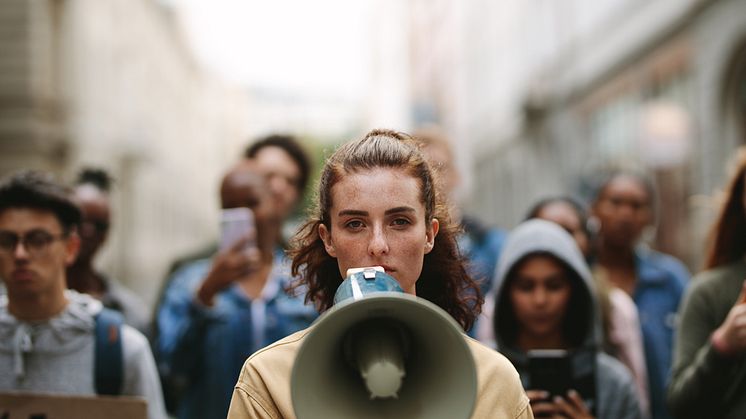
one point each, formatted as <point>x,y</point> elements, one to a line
<point>57,355</point>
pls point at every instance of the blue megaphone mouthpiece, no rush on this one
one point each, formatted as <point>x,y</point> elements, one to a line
<point>361,282</point>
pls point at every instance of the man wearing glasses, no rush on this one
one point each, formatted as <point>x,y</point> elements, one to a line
<point>47,332</point>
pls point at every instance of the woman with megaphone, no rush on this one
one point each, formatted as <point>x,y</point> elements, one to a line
<point>378,206</point>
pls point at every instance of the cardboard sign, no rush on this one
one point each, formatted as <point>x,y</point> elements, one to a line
<point>48,406</point>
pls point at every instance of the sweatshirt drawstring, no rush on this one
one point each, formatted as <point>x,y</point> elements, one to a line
<point>21,344</point>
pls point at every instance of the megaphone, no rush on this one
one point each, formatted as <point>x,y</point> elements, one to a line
<point>381,353</point>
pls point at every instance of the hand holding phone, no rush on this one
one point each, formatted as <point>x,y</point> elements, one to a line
<point>554,388</point>
<point>237,255</point>
<point>237,224</point>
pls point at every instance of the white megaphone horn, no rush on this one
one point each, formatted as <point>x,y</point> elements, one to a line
<point>381,353</point>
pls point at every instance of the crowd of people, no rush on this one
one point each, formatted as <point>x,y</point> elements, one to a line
<point>572,289</point>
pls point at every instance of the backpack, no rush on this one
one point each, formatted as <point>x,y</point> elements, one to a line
<point>108,357</point>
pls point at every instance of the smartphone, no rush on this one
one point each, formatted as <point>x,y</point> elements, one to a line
<point>554,371</point>
<point>235,224</point>
<point>550,370</point>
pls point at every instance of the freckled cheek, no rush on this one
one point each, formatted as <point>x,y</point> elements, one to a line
<point>351,253</point>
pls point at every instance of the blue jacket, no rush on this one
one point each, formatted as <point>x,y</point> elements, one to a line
<point>661,281</point>
<point>203,349</point>
<point>481,246</point>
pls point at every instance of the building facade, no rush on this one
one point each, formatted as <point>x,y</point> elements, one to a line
<point>547,93</point>
<point>114,84</point>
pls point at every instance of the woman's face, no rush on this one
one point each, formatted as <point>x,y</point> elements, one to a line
<point>378,219</point>
<point>539,292</point>
<point>623,208</point>
<point>565,216</point>
<point>94,226</point>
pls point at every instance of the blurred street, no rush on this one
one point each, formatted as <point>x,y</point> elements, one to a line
<point>535,96</point>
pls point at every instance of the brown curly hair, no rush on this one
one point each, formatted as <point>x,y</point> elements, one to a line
<point>443,280</point>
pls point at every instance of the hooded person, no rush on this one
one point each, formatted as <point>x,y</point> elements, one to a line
<point>543,299</point>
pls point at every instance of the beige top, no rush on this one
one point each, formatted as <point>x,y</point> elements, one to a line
<point>263,388</point>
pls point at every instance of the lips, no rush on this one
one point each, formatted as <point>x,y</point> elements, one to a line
<point>389,270</point>
<point>22,275</point>
<point>543,319</point>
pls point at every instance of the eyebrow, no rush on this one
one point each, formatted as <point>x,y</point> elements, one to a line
<point>395,210</point>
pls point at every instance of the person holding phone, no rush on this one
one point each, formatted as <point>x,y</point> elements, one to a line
<point>219,310</point>
<point>544,300</point>
<point>709,361</point>
<point>622,336</point>
<point>378,206</point>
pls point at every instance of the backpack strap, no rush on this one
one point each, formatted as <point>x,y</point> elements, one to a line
<point>109,364</point>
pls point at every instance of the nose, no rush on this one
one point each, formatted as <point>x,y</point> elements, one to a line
<point>378,244</point>
<point>540,296</point>
<point>277,184</point>
<point>20,252</point>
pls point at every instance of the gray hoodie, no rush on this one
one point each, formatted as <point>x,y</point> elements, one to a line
<point>57,355</point>
<point>615,391</point>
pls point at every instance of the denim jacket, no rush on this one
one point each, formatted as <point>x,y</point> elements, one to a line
<point>202,349</point>
<point>661,281</point>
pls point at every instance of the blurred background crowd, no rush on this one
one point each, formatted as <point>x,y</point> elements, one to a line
<point>535,99</point>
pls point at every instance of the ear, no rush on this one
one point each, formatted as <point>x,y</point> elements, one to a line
<point>72,247</point>
<point>326,237</point>
<point>430,233</point>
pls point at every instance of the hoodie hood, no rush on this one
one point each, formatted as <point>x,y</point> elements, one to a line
<point>67,332</point>
<point>543,237</point>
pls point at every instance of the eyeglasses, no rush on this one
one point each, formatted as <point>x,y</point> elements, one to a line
<point>35,241</point>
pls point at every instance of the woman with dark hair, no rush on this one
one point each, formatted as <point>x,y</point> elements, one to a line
<point>709,366</point>
<point>91,193</point>
<point>378,206</point>
<point>544,300</point>
<point>624,207</point>
<point>622,337</point>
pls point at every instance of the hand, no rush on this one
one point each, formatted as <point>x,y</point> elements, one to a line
<point>228,266</point>
<point>730,337</point>
<point>573,407</point>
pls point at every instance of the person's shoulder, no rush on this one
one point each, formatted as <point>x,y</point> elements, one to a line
<point>134,343</point>
<point>663,267</point>
<point>274,358</point>
<point>485,356</point>
<point>493,368</point>
<point>734,271</point>
<point>499,389</point>
<point>717,286</point>
<point>204,253</point>
<point>190,273</point>
<point>612,371</point>
<point>661,260</point>
<point>131,302</point>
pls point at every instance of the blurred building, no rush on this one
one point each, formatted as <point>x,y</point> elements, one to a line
<point>112,83</point>
<point>540,94</point>
<point>325,117</point>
